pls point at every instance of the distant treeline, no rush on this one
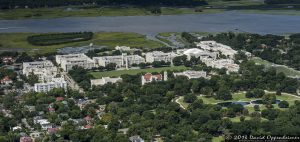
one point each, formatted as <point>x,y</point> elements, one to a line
<point>189,37</point>
<point>59,38</point>
<point>9,4</point>
<point>282,1</point>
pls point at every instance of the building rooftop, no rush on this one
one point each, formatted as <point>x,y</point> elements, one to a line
<point>105,80</point>
<point>191,74</point>
<point>193,51</point>
<point>149,76</point>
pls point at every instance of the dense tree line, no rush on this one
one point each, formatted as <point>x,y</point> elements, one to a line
<point>189,37</point>
<point>295,38</point>
<point>5,4</point>
<point>282,1</point>
<point>81,76</point>
<point>24,57</point>
<point>59,38</point>
<point>149,110</point>
<point>7,72</point>
<point>254,78</point>
<point>9,54</point>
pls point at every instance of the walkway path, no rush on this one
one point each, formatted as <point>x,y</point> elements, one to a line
<point>177,101</point>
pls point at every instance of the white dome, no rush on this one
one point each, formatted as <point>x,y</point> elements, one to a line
<point>192,51</point>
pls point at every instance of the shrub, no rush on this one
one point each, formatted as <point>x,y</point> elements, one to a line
<point>270,114</point>
<point>249,94</point>
<point>242,118</point>
<point>256,108</point>
<point>283,104</point>
<point>189,98</point>
<point>258,93</point>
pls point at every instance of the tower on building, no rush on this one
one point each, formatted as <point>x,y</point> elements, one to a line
<point>165,75</point>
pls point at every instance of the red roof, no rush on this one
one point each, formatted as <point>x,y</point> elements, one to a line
<point>6,78</point>
<point>25,139</point>
<point>51,109</point>
<point>158,77</point>
<point>149,76</point>
<point>52,130</point>
<point>59,98</point>
<point>6,59</point>
<point>87,118</point>
<point>88,126</point>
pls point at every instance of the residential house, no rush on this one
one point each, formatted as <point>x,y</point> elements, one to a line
<point>25,139</point>
<point>6,80</point>
<point>136,138</point>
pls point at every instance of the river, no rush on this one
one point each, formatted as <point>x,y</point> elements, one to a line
<point>149,25</point>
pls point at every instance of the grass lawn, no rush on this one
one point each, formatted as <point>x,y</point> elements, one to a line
<point>184,104</point>
<point>241,97</point>
<point>290,99</point>
<point>235,97</point>
<point>164,40</point>
<point>135,71</point>
<point>178,37</point>
<point>110,39</point>
<point>237,119</point>
<point>217,139</point>
<point>279,68</point>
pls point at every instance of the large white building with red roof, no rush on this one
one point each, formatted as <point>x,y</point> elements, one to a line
<point>148,77</point>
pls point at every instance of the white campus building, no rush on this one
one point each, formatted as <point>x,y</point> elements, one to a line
<point>67,62</point>
<point>126,49</point>
<point>121,60</point>
<point>123,48</point>
<point>217,47</point>
<point>160,56</point>
<point>54,83</point>
<point>191,74</point>
<point>104,80</point>
<point>198,53</point>
<point>222,63</point>
<point>45,70</point>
